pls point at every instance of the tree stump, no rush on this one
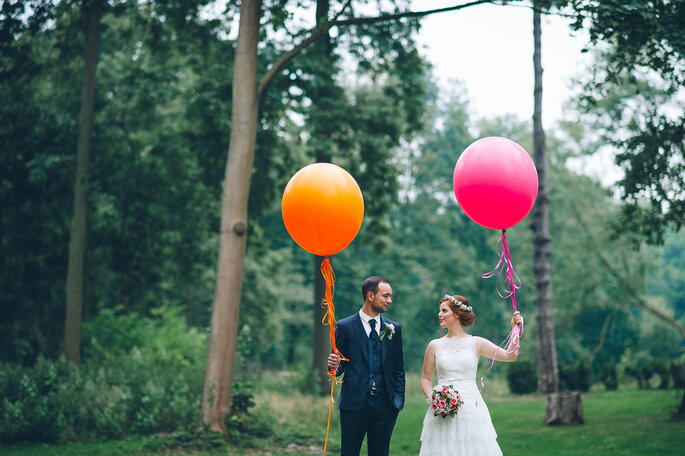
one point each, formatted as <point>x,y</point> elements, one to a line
<point>564,408</point>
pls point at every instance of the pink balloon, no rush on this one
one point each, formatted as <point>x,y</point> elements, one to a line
<point>495,182</point>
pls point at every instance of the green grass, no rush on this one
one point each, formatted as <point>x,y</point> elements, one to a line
<point>623,422</point>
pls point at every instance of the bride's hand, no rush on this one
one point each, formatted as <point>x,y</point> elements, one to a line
<point>516,320</point>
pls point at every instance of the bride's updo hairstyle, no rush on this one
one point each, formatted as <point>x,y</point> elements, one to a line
<point>461,308</point>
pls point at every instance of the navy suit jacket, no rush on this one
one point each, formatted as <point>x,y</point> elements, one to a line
<point>352,342</point>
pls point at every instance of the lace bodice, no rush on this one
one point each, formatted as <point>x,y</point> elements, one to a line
<point>456,359</point>
<point>470,432</point>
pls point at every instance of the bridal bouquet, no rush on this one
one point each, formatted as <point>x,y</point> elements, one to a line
<point>445,401</point>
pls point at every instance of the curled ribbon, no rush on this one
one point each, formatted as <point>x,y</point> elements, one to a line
<point>510,285</point>
<point>329,319</point>
<point>511,280</point>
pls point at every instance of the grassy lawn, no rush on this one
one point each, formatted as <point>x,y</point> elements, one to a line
<point>623,422</point>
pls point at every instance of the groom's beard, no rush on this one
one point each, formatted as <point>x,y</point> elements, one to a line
<point>379,308</point>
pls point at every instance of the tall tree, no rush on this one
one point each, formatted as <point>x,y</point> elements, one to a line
<point>224,327</point>
<point>548,377</point>
<point>92,13</point>
<point>225,307</point>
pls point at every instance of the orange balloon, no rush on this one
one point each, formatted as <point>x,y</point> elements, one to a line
<point>322,208</point>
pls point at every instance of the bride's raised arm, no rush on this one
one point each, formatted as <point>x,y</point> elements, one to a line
<point>486,348</point>
<point>428,370</point>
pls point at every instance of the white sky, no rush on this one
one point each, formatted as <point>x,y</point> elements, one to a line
<point>490,49</point>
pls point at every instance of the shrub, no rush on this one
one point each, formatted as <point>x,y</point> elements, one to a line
<point>660,367</point>
<point>609,376</point>
<point>576,377</point>
<point>522,377</point>
<point>143,389</point>
<point>678,374</point>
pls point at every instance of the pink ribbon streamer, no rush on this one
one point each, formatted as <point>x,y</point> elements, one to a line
<point>510,285</point>
<point>511,280</point>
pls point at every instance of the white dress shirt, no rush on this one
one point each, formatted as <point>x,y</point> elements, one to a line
<point>365,322</point>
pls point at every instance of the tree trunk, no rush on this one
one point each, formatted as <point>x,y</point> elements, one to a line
<point>216,400</point>
<point>546,349</point>
<point>77,236</point>
<point>564,408</point>
<point>322,346</point>
<point>323,105</point>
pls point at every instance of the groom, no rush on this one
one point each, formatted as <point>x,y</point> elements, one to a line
<point>372,392</point>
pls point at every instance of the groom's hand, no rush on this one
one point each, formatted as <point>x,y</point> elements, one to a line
<point>333,361</point>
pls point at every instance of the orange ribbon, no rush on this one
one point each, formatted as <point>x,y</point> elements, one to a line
<point>329,319</point>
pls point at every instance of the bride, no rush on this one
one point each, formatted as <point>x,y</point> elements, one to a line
<point>455,356</point>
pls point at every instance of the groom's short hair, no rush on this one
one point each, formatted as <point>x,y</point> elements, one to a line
<point>371,284</point>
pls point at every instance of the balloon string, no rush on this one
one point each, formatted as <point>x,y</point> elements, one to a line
<point>510,341</point>
<point>329,319</point>
<point>511,284</point>
<point>511,280</point>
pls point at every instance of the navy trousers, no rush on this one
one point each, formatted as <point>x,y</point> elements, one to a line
<point>375,419</point>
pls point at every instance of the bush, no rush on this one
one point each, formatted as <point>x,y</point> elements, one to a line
<point>609,376</point>
<point>660,367</point>
<point>576,377</point>
<point>144,389</point>
<point>678,374</point>
<point>522,377</point>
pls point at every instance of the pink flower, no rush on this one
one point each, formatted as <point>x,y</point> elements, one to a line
<point>435,407</point>
<point>454,401</point>
<point>442,403</point>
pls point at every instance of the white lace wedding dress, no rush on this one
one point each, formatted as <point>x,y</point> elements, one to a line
<point>470,432</point>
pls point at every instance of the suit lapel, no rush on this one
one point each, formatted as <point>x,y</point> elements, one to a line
<point>361,336</point>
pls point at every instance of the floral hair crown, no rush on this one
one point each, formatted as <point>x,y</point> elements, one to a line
<point>459,303</point>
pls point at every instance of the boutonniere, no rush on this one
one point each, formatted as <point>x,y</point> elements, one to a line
<point>389,331</point>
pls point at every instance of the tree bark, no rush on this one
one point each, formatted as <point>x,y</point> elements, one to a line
<point>216,400</point>
<point>548,377</point>
<point>77,231</point>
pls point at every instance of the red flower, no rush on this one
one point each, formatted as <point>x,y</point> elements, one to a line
<point>435,407</point>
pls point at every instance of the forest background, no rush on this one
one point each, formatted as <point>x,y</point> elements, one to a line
<point>363,98</point>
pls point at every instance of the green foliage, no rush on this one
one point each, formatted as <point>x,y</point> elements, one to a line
<point>609,376</point>
<point>678,374</point>
<point>668,278</point>
<point>575,377</point>
<point>153,209</point>
<point>646,371</point>
<point>638,33</point>
<point>163,336</point>
<point>522,377</point>
<point>192,440</point>
<point>631,100</point>
<point>611,427</point>
<point>145,385</point>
